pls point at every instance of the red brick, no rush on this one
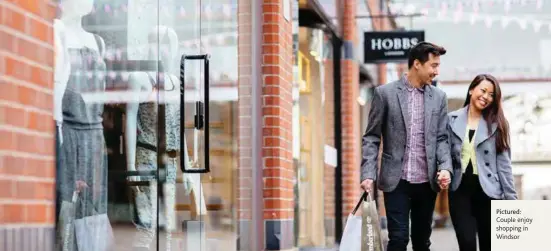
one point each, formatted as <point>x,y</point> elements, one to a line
<point>13,116</point>
<point>8,140</point>
<point>35,52</point>
<point>271,18</point>
<point>277,183</point>
<point>37,214</point>
<point>278,203</point>
<point>12,19</point>
<point>40,30</point>
<point>6,189</point>
<point>13,213</point>
<point>271,8</point>
<point>36,122</point>
<point>350,114</point>
<point>8,41</point>
<point>8,91</point>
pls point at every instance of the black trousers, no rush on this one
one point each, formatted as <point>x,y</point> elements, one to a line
<point>417,199</point>
<point>470,211</point>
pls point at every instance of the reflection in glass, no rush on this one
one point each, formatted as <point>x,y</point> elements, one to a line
<point>141,136</point>
<point>117,70</point>
<point>81,188</point>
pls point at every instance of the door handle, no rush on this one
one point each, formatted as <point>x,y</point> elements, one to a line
<point>201,118</point>
<point>159,175</point>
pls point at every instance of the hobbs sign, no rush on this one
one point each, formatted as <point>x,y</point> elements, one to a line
<point>389,46</point>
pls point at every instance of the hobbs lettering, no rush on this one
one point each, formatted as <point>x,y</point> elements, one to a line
<point>405,43</point>
<point>389,46</point>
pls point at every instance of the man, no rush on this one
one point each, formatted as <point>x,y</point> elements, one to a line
<point>411,116</point>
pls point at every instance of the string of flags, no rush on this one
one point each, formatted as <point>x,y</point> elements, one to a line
<point>205,11</point>
<point>473,13</point>
<point>478,5</point>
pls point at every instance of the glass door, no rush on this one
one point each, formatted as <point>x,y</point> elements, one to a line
<point>155,139</point>
<point>203,192</point>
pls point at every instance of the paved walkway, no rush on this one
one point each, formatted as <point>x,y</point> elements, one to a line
<point>443,239</point>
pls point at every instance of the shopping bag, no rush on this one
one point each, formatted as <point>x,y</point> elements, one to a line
<point>362,232</point>
<point>144,201</point>
<point>65,237</point>
<point>371,228</point>
<point>94,233</point>
<point>352,236</point>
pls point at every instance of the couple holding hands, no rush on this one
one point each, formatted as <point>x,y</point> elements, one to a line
<point>425,149</point>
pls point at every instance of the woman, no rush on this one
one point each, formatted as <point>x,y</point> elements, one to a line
<point>480,150</point>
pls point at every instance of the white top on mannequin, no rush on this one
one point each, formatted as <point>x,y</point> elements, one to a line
<point>62,69</point>
<point>140,83</point>
<point>69,33</point>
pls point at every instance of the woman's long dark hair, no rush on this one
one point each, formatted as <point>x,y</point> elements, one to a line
<point>493,113</point>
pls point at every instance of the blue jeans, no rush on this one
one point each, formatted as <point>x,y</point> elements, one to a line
<point>417,199</point>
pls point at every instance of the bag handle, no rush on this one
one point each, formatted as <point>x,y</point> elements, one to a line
<point>363,198</point>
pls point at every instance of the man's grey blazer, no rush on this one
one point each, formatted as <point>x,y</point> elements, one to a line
<point>387,125</point>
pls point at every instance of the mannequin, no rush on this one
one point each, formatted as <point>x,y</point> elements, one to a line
<point>82,165</point>
<point>61,76</point>
<point>141,135</point>
<point>61,73</point>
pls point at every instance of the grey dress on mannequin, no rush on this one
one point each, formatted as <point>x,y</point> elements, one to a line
<point>146,151</point>
<point>82,155</point>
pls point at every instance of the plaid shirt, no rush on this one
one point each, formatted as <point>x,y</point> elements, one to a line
<point>415,168</point>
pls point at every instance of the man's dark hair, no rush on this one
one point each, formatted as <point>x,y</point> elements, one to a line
<point>422,50</point>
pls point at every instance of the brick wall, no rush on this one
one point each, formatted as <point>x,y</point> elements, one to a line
<point>278,171</point>
<point>350,111</point>
<point>27,163</point>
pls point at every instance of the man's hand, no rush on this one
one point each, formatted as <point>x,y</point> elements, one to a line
<point>444,179</point>
<point>367,185</point>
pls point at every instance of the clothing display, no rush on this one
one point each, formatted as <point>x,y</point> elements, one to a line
<point>146,159</point>
<point>82,155</point>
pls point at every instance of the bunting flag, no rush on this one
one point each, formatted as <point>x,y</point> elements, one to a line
<point>474,12</point>
<point>475,5</point>
<point>207,12</point>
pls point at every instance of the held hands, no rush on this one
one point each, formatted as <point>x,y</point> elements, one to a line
<point>443,179</point>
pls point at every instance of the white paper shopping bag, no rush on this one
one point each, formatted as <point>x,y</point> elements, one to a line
<point>352,236</point>
<point>362,232</point>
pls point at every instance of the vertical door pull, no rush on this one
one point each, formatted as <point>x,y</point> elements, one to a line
<point>201,118</point>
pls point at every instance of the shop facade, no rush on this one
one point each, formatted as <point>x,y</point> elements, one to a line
<point>173,120</point>
<point>258,149</point>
